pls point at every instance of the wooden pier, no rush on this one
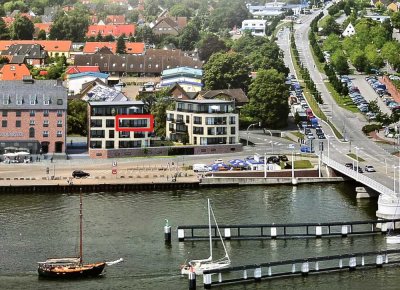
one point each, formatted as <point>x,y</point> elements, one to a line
<point>289,268</point>
<point>285,231</point>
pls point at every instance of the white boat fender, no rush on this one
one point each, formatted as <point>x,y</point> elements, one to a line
<point>115,262</point>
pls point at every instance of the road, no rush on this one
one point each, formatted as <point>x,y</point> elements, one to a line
<point>348,123</point>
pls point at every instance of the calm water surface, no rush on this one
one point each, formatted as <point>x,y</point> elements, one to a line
<point>130,225</point>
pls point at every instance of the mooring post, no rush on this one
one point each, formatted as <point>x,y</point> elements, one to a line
<point>273,233</point>
<point>305,268</point>
<point>181,235</point>
<point>352,263</point>
<point>269,271</point>
<point>384,228</point>
<point>227,234</point>
<point>379,261</point>
<point>362,261</point>
<point>293,268</point>
<point>192,280</point>
<point>316,266</point>
<point>318,231</point>
<point>340,263</point>
<point>219,277</point>
<point>245,274</point>
<point>257,274</point>
<point>167,232</point>
<point>345,230</point>
<point>207,281</point>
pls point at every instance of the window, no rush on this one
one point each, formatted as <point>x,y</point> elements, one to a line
<point>109,144</point>
<point>97,133</point>
<point>4,123</point>
<point>6,100</point>
<point>59,101</point>
<point>96,123</point>
<point>110,123</point>
<point>19,100</point>
<point>32,113</point>
<point>111,134</point>
<point>46,101</point>
<point>59,113</point>
<point>59,123</point>
<point>45,123</point>
<point>59,133</point>
<point>31,132</point>
<point>4,113</point>
<point>17,113</point>
<point>32,100</point>
<point>45,133</point>
<point>187,119</point>
<point>18,123</point>
<point>197,120</point>
<point>45,113</point>
<point>233,130</point>
<point>32,122</point>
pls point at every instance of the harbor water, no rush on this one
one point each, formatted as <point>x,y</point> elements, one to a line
<point>130,225</point>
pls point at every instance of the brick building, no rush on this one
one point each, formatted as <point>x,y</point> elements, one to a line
<point>33,115</point>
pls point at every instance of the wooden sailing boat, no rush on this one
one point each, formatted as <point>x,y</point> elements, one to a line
<point>199,266</point>
<point>63,268</point>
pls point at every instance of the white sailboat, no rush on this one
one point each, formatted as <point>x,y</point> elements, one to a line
<point>199,266</point>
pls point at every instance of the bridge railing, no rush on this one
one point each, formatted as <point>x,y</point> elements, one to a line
<point>371,183</point>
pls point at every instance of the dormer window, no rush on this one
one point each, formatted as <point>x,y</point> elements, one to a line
<point>46,101</point>
<point>32,100</point>
<point>19,100</point>
<point>6,100</point>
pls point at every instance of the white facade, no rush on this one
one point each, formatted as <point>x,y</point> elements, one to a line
<point>75,81</point>
<point>349,31</point>
<point>205,122</point>
<point>256,26</point>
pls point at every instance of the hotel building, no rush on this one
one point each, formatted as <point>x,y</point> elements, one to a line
<point>33,116</point>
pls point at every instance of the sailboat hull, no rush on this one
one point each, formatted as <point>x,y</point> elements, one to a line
<point>199,269</point>
<point>71,272</point>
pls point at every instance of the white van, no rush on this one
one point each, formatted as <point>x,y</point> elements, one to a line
<point>200,168</point>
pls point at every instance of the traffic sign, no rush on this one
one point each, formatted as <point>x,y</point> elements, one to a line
<point>114,164</point>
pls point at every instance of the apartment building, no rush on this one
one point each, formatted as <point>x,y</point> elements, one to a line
<point>115,128</point>
<point>203,122</point>
<point>33,115</point>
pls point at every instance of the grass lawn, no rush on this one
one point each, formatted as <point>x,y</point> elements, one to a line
<point>354,156</point>
<point>302,164</point>
<point>297,134</point>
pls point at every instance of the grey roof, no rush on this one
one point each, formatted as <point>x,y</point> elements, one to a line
<point>121,103</point>
<point>19,94</point>
<point>30,51</point>
<point>104,93</point>
<point>154,61</point>
<point>208,101</point>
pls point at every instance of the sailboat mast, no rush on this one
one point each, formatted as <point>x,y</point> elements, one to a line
<point>209,227</point>
<point>80,228</point>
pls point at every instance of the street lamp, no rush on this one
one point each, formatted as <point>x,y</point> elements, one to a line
<point>329,142</point>
<point>247,131</point>
<point>357,148</point>
<point>272,144</point>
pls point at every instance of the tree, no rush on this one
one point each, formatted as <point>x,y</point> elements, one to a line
<point>121,47</point>
<point>395,19</point>
<point>145,34</point>
<point>77,117</point>
<point>4,32</point>
<point>210,44</point>
<point>188,37</point>
<point>42,35</point>
<point>229,13</point>
<point>72,26</point>
<point>109,38</point>
<point>22,28</point>
<point>347,9</point>
<point>99,37</point>
<point>332,43</point>
<point>268,96</point>
<point>339,61</point>
<point>330,26</point>
<point>226,70</point>
<point>180,9</point>
<point>390,52</point>
<point>373,57</point>
<point>359,60</point>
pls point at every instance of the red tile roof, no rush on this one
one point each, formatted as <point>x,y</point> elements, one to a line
<point>43,26</point>
<point>114,30</point>
<point>115,19</point>
<point>134,47</point>
<point>75,69</point>
<point>93,47</point>
<point>49,45</point>
<point>11,72</point>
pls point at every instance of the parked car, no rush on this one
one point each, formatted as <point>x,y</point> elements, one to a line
<point>283,158</point>
<point>369,168</point>
<point>273,159</point>
<point>355,168</point>
<point>349,165</point>
<point>80,174</point>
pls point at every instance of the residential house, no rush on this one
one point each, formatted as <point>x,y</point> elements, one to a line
<point>394,6</point>
<point>115,19</point>
<point>188,78</point>
<point>52,47</point>
<point>179,93</point>
<point>169,25</point>
<point>238,96</point>
<point>75,81</point>
<point>135,47</point>
<point>379,18</point>
<point>349,31</point>
<point>152,63</point>
<point>116,30</point>
<point>118,128</point>
<point>94,47</point>
<point>14,72</point>
<point>203,122</point>
<point>98,91</point>
<point>33,115</point>
<point>42,26</point>
<point>256,26</point>
<point>32,54</point>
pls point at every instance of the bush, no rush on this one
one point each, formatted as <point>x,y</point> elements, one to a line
<point>371,127</point>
